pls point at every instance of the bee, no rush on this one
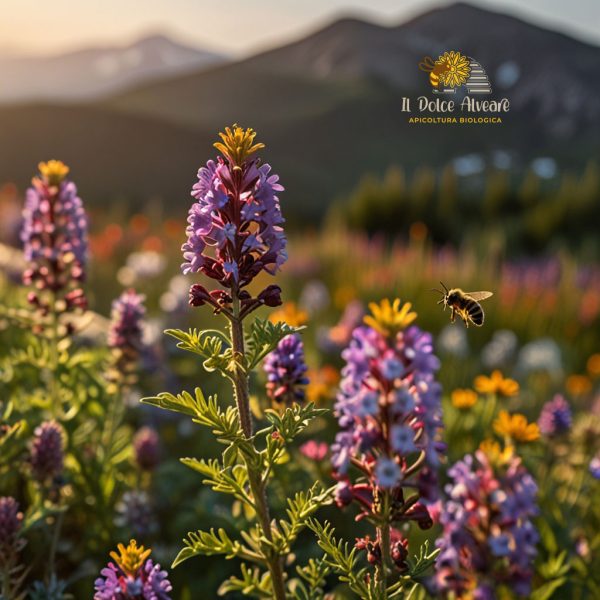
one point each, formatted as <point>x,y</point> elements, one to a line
<point>465,304</point>
<point>435,70</point>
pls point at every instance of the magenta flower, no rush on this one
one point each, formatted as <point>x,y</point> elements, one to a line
<point>594,466</point>
<point>286,371</point>
<point>488,537</point>
<point>54,237</point>
<point>47,452</point>
<point>314,450</point>
<point>235,226</point>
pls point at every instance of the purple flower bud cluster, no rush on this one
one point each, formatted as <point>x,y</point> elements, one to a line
<point>54,235</point>
<point>555,417</point>
<point>235,226</point>
<point>488,536</point>
<point>389,410</point>
<point>127,314</point>
<point>146,447</point>
<point>286,371</point>
<point>47,452</point>
<point>11,520</point>
<point>150,582</point>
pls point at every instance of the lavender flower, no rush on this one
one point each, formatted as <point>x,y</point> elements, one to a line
<point>285,369</point>
<point>555,417</point>
<point>47,452</point>
<point>595,466</point>
<point>132,576</point>
<point>54,236</point>
<point>488,535</point>
<point>125,332</point>
<point>11,520</point>
<point>146,447</point>
<point>235,226</point>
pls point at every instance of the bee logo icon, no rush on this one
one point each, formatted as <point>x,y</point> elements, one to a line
<point>452,70</point>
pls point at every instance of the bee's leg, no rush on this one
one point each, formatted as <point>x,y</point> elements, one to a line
<point>453,315</point>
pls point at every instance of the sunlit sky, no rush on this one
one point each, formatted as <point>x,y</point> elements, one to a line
<point>238,26</point>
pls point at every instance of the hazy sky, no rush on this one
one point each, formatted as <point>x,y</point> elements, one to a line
<point>238,26</point>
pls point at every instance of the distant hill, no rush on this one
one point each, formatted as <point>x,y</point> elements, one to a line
<point>328,108</point>
<point>92,72</point>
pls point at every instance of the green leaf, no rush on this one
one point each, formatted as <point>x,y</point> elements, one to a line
<point>300,508</point>
<point>545,591</point>
<point>207,344</point>
<point>263,338</point>
<point>252,583</point>
<point>183,403</point>
<point>229,480</point>
<point>214,542</point>
<point>294,419</point>
<point>341,560</point>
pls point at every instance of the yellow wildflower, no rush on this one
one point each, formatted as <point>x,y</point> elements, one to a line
<point>130,559</point>
<point>237,144</point>
<point>577,385</point>
<point>53,171</point>
<point>291,314</point>
<point>593,365</point>
<point>388,318</point>
<point>516,427</point>
<point>463,399</point>
<point>496,383</point>
<point>497,456</point>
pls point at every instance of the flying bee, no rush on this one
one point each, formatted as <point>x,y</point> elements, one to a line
<point>464,304</point>
<point>435,70</point>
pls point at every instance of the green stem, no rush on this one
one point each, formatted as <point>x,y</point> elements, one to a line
<point>257,487</point>
<point>54,544</point>
<point>384,535</point>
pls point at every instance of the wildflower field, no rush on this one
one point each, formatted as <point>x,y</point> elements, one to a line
<point>234,405</point>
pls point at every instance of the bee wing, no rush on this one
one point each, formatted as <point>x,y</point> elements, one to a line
<point>479,296</point>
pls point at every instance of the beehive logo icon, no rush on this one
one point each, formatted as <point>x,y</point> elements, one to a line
<point>452,70</point>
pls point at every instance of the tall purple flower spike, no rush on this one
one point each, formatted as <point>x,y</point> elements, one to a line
<point>488,535</point>
<point>235,227</point>
<point>54,237</point>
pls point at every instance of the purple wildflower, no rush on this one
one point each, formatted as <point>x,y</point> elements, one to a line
<point>235,226</point>
<point>286,371</point>
<point>595,466</point>
<point>11,520</point>
<point>555,417</point>
<point>389,413</point>
<point>135,514</point>
<point>388,400</point>
<point>125,332</point>
<point>47,451</point>
<point>488,535</point>
<point>132,576</point>
<point>54,237</point>
<point>146,446</point>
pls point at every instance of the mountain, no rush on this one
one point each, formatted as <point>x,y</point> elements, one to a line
<point>328,106</point>
<point>93,72</point>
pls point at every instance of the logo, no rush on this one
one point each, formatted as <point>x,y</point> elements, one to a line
<point>450,72</point>
<point>453,70</point>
